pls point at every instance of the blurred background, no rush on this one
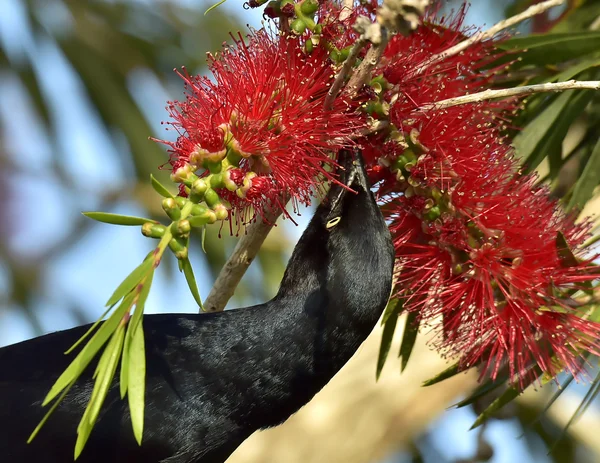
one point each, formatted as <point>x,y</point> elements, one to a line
<point>83,84</point>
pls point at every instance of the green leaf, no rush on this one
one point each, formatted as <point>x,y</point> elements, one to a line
<point>90,350</point>
<point>568,259</point>
<point>106,375</point>
<point>482,390</point>
<point>214,6</point>
<point>117,219</point>
<point>391,309</point>
<point>141,300</point>
<point>571,72</point>
<point>131,280</point>
<point>588,180</point>
<point>530,137</point>
<point>544,49</point>
<point>124,373</point>
<point>131,328</point>
<point>544,135</point>
<point>47,415</point>
<point>507,396</point>
<point>552,144</point>
<point>89,331</point>
<point>136,381</point>
<point>408,340</point>
<point>203,239</point>
<point>160,188</point>
<point>386,338</point>
<point>191,281</point>
<point>589,397</point>
<point>109,362</point>
<point>565,255</point>
<point>449,372</point>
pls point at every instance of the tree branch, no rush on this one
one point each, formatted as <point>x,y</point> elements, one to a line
<point>491,32</point>
<point>508,92</point>
<point>244,253</point>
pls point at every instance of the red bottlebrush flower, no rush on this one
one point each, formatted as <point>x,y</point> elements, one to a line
<point>476,242</point>
<point>264,111</point>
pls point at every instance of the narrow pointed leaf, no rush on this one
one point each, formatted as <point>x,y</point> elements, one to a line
<point>47,415</point>
<point>117,219</point>
<point>214,6</point>
<point>160,188</point>
<point>131,328</point>
<point>89,331</point>
<point>124,372</point>
<point>110,360</point>
<point>106,376</point>
<point>82,360</point>
<point>553,399</point>
<point>391,309</point>
<point>482,390</point>
<point>588,181</point>
<point>408,339</point>
<point>203,239</point>
<point>508,396</point>
<point>137,382</point>
<point>565,255</point>
<point>449,372</point>
<point>531,137</point>
<point>131,281</point>
<point>191,281</point>
<point>550,48</point>
<point>589,397</point>
<point>386,342</point>
<point>572,71</point>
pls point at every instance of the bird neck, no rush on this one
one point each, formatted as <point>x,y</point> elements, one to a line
<point>342,281</point>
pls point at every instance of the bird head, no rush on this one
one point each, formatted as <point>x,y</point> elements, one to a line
<point>346,236</point>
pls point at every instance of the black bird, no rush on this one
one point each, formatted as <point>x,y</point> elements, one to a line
<point>214,379</point>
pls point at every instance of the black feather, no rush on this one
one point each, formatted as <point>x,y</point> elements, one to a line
<point>214,379</point>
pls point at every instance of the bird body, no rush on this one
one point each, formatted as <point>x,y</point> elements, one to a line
<point>214,379</point>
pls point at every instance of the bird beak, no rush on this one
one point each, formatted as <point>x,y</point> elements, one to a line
<point>351,173</point>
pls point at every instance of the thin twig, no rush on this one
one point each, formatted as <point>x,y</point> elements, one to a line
<point>363,72</point>
<point>244,253</point>
<point>338,83</point>
<point>348,6</point>
<point>533,10</point>
<point>508,92</point>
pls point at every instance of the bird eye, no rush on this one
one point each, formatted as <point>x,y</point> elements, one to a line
<point>332,223</point>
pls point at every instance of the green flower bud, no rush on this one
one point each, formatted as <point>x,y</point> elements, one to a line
<point>153,230</point>
<point>335,56</point>
<point>181,227</point>
<point>179,247</point>
<point>180,201</point>
<point>298,26</point>
<point>221,212</point>
<point>201,220</point>
<point>216,181</point>
<point>199,187</point>
<point>182,173</point>
<point>171,208</point>
<point>214,167</point>
<point>199,209</point>
<point>309,47</point>
<point>433,213</point>
<point>309,7</point>
<point>212,198</point>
